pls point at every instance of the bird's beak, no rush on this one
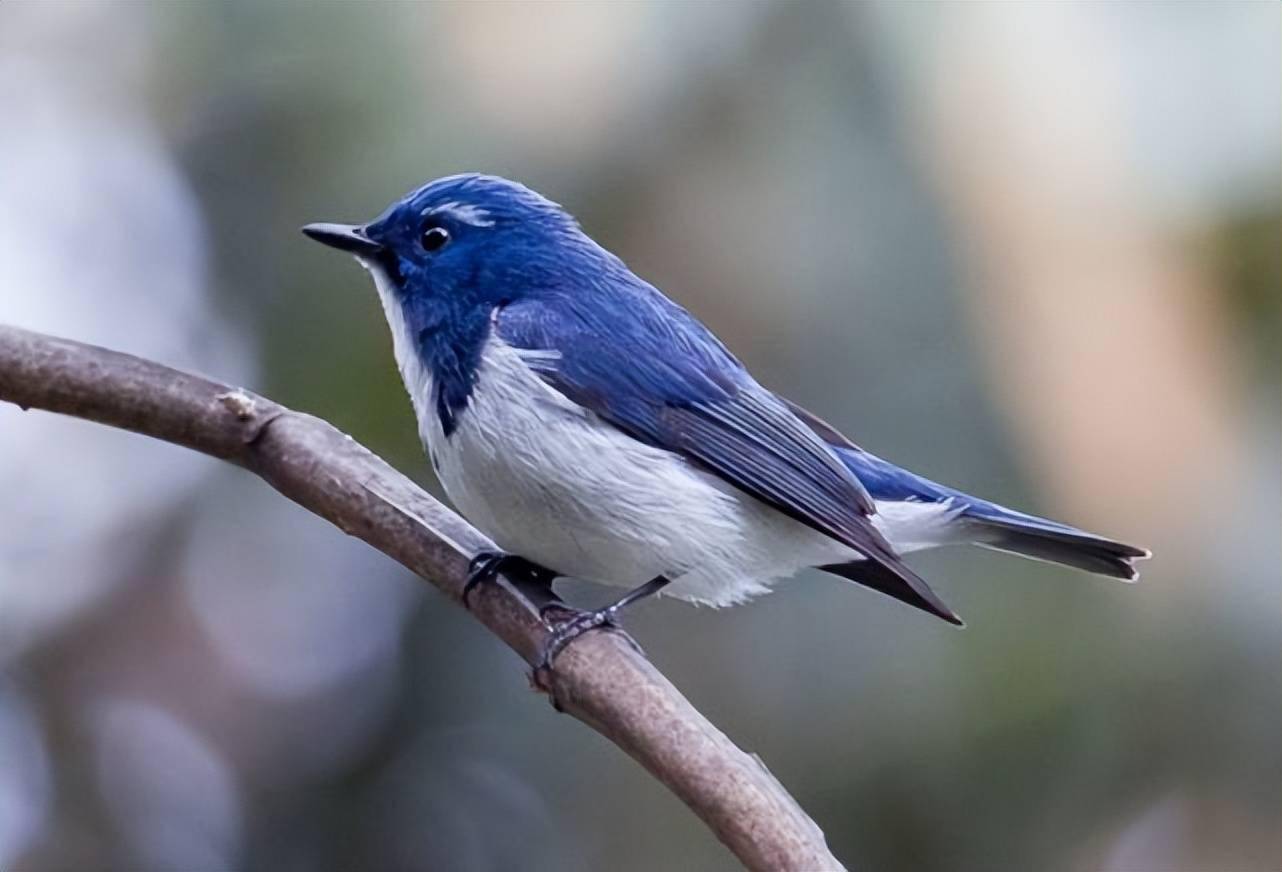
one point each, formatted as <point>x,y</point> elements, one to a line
<point>345,237</point>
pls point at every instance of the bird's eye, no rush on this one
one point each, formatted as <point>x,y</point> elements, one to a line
<point>434,237</point>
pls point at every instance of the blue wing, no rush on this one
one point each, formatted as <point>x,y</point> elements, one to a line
<point>648,367</point>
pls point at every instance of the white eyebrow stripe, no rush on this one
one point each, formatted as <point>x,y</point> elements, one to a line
<point>464,212</point>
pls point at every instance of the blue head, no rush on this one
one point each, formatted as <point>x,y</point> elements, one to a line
<point>465,241</point>
<point>447,254</point>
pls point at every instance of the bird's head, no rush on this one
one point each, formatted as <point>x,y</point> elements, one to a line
<point>468,240</point>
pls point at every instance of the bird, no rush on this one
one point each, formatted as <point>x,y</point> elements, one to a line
<point>593,428</point>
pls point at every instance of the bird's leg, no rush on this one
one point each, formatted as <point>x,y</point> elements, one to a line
<point>580,622</point>
<point>487,565</point>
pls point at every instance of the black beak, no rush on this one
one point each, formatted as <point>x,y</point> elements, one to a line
<point>345,237</point>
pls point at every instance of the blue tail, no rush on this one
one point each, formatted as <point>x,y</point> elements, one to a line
<point>980,522</point>
<point>995,526</point>
<point>990,525</point>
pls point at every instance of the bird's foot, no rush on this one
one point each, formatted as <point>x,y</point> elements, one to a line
<point>576,623</point>
<point>488,565</point>
<point>571,624</point>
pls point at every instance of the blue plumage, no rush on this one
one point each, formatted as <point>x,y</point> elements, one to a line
<point>551,380</point>
<point>448,295</point>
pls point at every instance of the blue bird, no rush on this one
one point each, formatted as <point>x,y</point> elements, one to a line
<point>593,428</point>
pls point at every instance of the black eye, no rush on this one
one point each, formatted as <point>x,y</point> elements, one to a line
<point>434,237</point>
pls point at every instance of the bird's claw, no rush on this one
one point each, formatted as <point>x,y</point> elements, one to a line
<point>567,630</point>
<point>482,568</point>
<point>487,565</point>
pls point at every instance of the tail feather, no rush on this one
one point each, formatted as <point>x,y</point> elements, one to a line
<point>1045,540</point>
<point>994,526</point>
<point>985,523</point>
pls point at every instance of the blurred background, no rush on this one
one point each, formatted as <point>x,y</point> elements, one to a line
<point>1029,250</point>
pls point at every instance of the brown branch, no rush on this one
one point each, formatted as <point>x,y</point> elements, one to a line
<point>601,678</point>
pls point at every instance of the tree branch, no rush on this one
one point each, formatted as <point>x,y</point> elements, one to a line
<point>601,678</point>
